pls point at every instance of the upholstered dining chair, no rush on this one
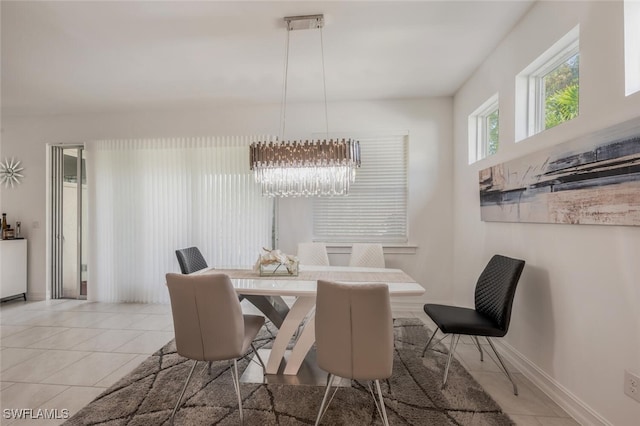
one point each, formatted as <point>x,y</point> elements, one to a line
<point>274,307</point>
<point>367,255</point>
<point>191,260</point>
<point>209,324</point>
<point>494,293</point>
<point>354,336</point>
<point>313,254</point>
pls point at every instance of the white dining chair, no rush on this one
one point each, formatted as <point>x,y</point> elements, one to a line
<point>273,307</point>
<point>209,325</point>
<point>313,254</point>
<point>354,337</point>
<point>367,255</point>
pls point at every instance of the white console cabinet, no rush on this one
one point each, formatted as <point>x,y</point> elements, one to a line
<point>13,268</point>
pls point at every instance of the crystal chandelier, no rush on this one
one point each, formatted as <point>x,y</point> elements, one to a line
<point>317,167</point>
<point>296,169</point>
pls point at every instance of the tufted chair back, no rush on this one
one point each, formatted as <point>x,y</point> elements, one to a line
<point>190,260</point>
<point>496,288</point>
<point>313,254</point>
<point>367,255</point>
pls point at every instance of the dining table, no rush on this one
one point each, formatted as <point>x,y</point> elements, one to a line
<point>302,290</point>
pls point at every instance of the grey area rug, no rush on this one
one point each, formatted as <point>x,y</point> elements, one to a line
<point>413,396</point>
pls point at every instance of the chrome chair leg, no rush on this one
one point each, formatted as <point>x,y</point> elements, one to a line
<point>475,338</point>
<point>184,388</point>
<point>452,348</point>
<point>324,406</point>
<point>385,421</point>
<point>429,342</point>
<point>255,351</point>
<point>236,385</point>
<point>504,367</point>
<point>375,399</point>
<point>439,340</point>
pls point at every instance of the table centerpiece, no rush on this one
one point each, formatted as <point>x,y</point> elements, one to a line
<point>275,262</point>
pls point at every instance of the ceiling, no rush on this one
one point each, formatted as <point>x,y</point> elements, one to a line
<point>70,57</point>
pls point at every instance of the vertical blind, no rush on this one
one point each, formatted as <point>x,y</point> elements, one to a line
<point>57,179</point>
<point>376,208</point>
<point>148,198</point>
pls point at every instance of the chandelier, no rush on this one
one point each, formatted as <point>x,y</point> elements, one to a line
<point>297,168</point>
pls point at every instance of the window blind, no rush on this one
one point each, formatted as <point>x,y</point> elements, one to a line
<point>150,197</point>
<point>376,208</point>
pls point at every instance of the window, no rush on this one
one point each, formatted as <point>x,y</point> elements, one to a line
<point>484,129</point>
<point>552,86</point>
<point>376,208</point>
<point>632,46</point>
<point>559,88</point>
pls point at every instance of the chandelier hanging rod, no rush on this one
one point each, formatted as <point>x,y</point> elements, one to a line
<point>303,22</point>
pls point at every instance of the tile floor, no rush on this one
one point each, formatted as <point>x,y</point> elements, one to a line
<point>530,408</point>
<point>61,354</point>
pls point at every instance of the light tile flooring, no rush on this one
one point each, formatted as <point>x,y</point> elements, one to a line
<point>61,354</point>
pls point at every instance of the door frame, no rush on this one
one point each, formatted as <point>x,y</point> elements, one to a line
<point>55,182</point>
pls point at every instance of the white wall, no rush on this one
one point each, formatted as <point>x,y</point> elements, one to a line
<point>429,122</point>
<point>576,316</point>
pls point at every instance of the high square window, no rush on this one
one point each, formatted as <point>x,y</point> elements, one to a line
<point>632,46</point>
<point>484,130</point>
<point>549,88</point>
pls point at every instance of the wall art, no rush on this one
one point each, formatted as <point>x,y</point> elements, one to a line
<point>594,179</point>
<point>10,172</point>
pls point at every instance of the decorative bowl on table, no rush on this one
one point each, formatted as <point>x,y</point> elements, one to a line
<point>276,263</point>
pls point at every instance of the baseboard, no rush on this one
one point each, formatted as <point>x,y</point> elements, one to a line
<point>573,405</point>
<point>35,296</point>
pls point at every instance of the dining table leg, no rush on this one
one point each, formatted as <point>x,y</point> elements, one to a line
<point>298,312</point>
<point>303,344</point>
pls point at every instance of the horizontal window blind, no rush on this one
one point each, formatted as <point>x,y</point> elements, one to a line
<point>376,208</point>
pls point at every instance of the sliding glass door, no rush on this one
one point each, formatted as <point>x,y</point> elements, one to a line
<point>69,222</point>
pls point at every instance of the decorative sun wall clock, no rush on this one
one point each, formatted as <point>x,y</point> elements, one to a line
<point>10,172</point>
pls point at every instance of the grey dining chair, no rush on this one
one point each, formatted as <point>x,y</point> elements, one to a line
<point>190,260</point>
<point>209,324</point>
<point>354,336</point>
<point>273,307</point>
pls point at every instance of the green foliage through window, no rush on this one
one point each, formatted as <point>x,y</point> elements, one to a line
<point>484,130</point>
<point>561,89</point>
<point>493,124</point>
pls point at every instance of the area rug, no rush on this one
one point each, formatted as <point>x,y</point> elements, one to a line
<point>413,395</point>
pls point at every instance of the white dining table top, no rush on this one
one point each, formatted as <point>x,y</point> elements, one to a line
<point>269,286</point>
